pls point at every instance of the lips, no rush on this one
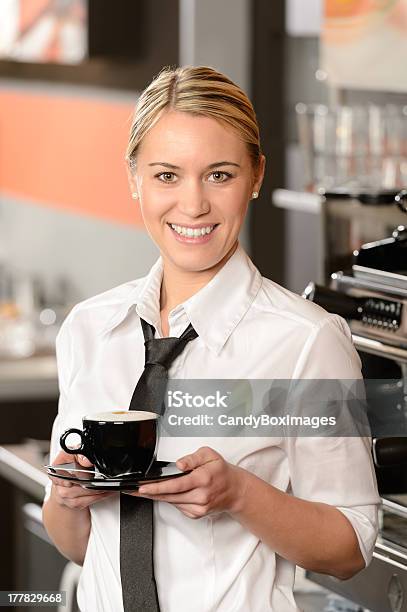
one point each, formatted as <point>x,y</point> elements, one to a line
<point>197,234</point>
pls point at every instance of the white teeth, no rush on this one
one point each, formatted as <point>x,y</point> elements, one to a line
<point>191,232</point>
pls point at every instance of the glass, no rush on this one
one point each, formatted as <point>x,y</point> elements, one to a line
<point>29,323</point>
<point>353,148</point>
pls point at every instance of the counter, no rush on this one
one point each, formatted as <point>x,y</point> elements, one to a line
<point>20,464</point>
<point>29,378</point>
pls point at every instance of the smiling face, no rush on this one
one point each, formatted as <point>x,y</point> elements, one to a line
<point>194,179</point>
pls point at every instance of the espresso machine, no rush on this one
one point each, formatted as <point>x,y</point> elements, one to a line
<point>372,296</point>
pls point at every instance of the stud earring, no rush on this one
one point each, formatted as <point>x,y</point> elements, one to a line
<point>134,195</point>
<point>255,195</point>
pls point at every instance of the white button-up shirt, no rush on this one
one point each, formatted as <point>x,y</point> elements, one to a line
<point>249,327</point>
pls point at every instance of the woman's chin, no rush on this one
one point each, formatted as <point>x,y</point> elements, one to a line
<point>194,262</point>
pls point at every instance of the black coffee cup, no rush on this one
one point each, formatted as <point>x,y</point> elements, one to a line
<point>118,442</point>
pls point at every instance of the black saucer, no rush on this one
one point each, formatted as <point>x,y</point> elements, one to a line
<point>91,479</point>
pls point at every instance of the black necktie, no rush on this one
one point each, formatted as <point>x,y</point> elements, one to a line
<point>136,514</point>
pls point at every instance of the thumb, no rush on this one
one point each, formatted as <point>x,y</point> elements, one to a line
<point>63,457</point>
<point>82,460</point>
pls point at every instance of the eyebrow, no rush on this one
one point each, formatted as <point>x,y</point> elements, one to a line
<point>214,165</point>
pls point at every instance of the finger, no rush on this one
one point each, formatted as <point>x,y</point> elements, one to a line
<point>175,485</point>
<point>60,481</point>
<point>96,496</point>
<point>96,492</point>
<point>200,477</point>
<point>196,497</point>
<point>80,491</point>
<point>186,510</point>
<point>200,457</point>
<point>84,501</point>
<point>192,511</point>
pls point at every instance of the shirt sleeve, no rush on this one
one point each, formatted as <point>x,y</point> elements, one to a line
<point>335,470</point>
<point>64,356</point>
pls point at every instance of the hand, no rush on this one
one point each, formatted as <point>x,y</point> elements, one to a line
<point>70,494</point>
<point>213,485</point>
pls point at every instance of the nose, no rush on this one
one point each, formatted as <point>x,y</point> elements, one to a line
<point>193,200</point>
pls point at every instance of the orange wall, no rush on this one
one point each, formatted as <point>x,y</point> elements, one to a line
<point>67,152</point>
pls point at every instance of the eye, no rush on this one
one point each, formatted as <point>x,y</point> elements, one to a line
<point>219,176</point>
<point>166,177</point>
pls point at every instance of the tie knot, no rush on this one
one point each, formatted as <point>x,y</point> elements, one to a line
<point>163,351</point>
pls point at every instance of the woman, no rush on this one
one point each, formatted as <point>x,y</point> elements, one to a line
<point>264,504</point>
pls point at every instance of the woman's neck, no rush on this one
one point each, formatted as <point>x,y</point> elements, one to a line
<point>179,285</point>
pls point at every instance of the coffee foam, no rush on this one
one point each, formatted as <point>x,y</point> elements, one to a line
<point>121,415</point>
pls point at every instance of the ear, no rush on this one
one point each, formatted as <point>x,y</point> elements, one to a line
<point>131,176</point>
<point>260,174</point>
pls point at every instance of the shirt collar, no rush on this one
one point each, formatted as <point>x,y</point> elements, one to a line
<point>146,292</point>
<point>214,311</point>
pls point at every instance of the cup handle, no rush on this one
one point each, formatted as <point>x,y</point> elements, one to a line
<point>73,451</point>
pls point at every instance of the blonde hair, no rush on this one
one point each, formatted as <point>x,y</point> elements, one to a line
<point>199,90</point>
